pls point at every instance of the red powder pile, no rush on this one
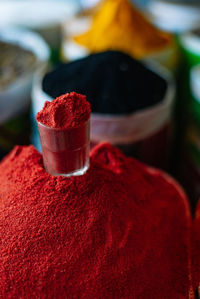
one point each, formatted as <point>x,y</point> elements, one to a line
<point>119,231</point>
<point>67,111</point>
<point>196,249</point>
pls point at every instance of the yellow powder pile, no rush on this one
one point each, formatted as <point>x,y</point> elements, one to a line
<point>119,26</point>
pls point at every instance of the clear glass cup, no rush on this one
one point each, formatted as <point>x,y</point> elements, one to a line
<point>65,151</point>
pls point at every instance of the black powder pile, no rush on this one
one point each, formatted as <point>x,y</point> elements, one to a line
<point>113,82</point>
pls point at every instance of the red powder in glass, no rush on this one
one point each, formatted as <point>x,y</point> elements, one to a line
<point>65,136</point>
<point>67,111</point>
<point>119,231</point>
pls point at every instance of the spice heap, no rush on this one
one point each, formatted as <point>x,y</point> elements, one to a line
<point>70,110</point>
<point>112,81</point>
<point>118,25</point>
<point>119,231</point>
<point>196,249</point>
<point>64,132</point>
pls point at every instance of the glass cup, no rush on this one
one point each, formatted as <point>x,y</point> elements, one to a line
<point>65,151</point>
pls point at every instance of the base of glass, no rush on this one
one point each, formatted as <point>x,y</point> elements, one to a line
<point>74,173</point>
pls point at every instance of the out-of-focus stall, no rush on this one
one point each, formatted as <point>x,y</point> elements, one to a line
<point>30,38</point>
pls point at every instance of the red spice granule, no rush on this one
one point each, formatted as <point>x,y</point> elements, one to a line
<point>119,231</point>
<point>67,111</point>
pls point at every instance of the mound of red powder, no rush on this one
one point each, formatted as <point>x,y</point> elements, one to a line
<point>67,111</point>
<point>119,231</point>
<point>196,249</point>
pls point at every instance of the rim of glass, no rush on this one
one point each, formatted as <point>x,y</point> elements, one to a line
<point>63,129</point>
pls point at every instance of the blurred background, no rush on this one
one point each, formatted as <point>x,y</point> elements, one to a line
<point>40,37</point>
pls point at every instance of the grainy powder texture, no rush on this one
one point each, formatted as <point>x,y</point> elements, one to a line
<point>119,231</point>
<point>196,249</point>
<point>67,111</point>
